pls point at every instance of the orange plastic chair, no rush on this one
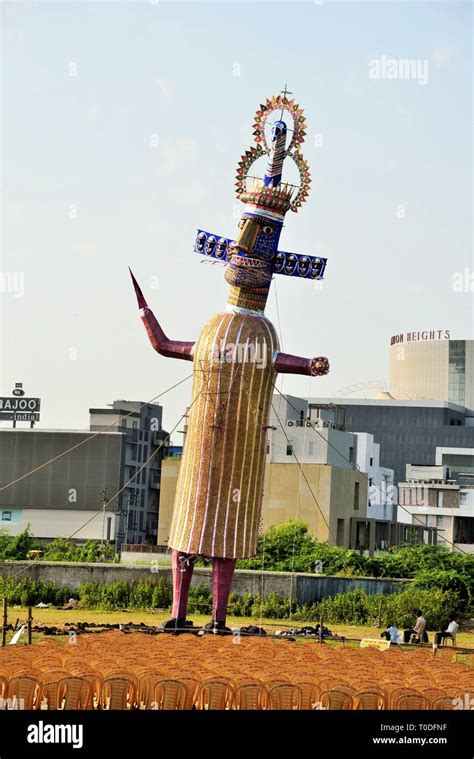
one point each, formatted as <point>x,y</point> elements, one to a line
<point>251,696</point>
<point>412,701</point>
<point>118,692</point>
<point>284,696</point>
<point>192,688</point>
<point>215,694</point>
<point>443,703</point>
<point>22,690</point>
<point>309,692</point>
<point>431,692</point>
<point>74,693</point>
<point>169,695</point>
<point>370,699</point>
<point>335,699</point>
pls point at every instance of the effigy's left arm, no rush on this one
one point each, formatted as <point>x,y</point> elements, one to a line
<point>285,363</point>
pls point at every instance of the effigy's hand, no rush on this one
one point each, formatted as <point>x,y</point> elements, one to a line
<point>158,339</point>
<point>319,366</point>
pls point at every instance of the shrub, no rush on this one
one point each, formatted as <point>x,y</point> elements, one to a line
<point>438,607</point>
<point>16,548</point>
<point>273,606</point>
<point>289,547</point>
<point>200,600</point>
<point>449,580</point>
<point>30,592</point>
<point>162,594</point>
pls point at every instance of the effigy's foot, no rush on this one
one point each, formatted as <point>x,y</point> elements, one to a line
<point>178,625</point>
<point>216,628</point>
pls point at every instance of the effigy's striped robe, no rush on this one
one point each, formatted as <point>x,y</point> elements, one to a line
<point>220,486</point>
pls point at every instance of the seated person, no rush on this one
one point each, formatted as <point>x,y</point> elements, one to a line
<point>391,634</point>
<point>450,632</point>
<point>417,633</point>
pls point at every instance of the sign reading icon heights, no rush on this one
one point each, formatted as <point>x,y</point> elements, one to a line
<point>20,409</point>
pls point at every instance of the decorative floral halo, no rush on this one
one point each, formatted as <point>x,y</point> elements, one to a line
<point>278,102</point>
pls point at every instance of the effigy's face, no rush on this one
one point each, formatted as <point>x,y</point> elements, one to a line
<point>251,256</point>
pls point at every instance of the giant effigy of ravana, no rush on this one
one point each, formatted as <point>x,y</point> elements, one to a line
<point>236,359</point>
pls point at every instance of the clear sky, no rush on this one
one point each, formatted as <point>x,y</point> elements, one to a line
<point>122,125</point>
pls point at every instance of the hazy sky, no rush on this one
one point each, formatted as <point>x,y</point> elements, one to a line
<point>122,127</point>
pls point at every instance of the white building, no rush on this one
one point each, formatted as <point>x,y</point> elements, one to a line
<point>295,431</point>
<point>442,496</point>
<point>382,491</point>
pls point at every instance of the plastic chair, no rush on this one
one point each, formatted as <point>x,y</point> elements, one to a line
<point>75,693</point>
<point>169,695</point>
<point>215,694</point>
<point>250,696</point>
<point>284,696</point>
<point>443,703</point>
<point>22,690</point>
<point>335,699</point>
<point>118,692</point>
<point>412,701</point>
<point>370,700</point>
<point>192,687</point>
<point>309,692</point>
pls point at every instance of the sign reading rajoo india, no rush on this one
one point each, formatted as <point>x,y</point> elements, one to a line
<point>19,408</point>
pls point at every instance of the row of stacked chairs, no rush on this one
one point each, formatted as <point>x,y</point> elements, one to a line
<point>116,670</point>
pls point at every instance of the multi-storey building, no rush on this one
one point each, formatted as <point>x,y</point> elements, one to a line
<point>74,495</point>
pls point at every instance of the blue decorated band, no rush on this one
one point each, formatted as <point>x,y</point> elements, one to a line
<point>284,263</point>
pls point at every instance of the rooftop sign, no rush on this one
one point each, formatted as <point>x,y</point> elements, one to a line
<point>420,337</point>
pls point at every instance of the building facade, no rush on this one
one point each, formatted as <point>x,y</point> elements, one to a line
<point>429,365</point>
<point>442,496</point>
<point>382,496</point>
<point>71,496</point>
<point>408,432</point>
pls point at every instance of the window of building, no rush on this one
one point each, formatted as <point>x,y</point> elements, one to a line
<point>457,371</point>
<point>463,498</point>
<point>351,454</point>
<point>135,424</point>
<point>356,495</point>
<point>289,449</point>
<point>439,521</point>
<point>268,449</point>
<point>371,462</point>
<point>370,481</point>
<point>6,516</point>
<point>439,498</point>
<point>312,448</point>
<point>340,532</point>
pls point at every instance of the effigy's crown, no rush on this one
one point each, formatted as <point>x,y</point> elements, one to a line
<point>253,257</point>
<point>269,194</point>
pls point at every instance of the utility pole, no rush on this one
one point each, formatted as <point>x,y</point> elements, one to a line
<point>4,622</point>
<point>30,620</point>
<point>104,497</point>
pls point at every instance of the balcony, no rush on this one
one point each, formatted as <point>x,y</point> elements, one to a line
<point>158,437</point>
